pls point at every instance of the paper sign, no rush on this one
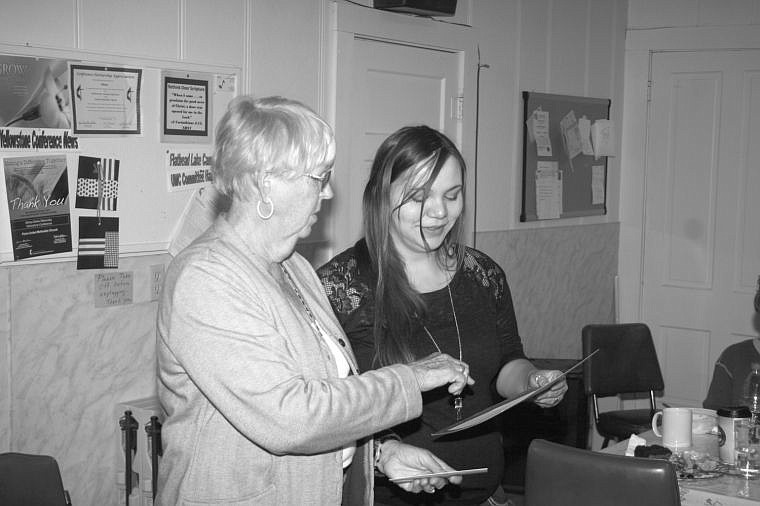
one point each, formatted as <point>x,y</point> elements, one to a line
<point>114,288</point>
<point>603,135</point>
<point>597,184</point>
<point>548,191</point>
<point>188,169</point>
<point>538,130</point>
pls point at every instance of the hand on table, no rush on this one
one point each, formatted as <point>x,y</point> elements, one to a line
<point>399,460</point>
<point>554,395</point>
<point>439,369</point>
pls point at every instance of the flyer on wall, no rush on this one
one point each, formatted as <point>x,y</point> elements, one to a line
<point>106,100</point>
<point>37,189</point>
<point>34,93</point>
<point>186,107</point>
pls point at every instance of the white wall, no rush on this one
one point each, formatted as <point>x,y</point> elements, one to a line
<point>566,47</point>
<point>561,271</point>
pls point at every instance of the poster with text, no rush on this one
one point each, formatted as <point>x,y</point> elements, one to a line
<point>34,93</point>
<point>186,109</point>
<point>106,100</point>
<point>37,190</point>
<point>188,169</point>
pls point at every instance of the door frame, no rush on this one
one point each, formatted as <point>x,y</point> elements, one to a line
<point>349,22</point>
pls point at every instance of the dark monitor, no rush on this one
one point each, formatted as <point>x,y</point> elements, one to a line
<point>419,7</point>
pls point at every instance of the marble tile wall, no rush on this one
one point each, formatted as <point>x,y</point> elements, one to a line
<point>5,370</point>
<point>66,364</point>
<point>561,279</point>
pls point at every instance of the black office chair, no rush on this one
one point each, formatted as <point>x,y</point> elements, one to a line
<point>626,364</point>
<point>31,480</point>
<point>557,474</point>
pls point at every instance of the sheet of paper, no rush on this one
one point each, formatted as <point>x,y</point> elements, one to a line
<point>506,404</point>
<point>539,131</point>
<point>445,474</point>
<point>597,184</point>
<point>188,169</point>
<point>548,191</point>
<point>201,211</point>
<point>584,127</point>
<point>603,138</point>
<point>106,100</point>
<point>113,288</point>
<point>572,135</point>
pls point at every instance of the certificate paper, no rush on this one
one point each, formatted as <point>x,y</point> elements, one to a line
<point>506,404</point>
<point>106,100</point>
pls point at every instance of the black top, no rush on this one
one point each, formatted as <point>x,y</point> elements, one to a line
<point>488,329</point>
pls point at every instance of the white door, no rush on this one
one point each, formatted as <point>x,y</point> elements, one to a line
<point>385,86</point>
<point>702,223</point>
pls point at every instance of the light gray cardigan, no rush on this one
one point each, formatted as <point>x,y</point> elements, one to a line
<point>256,412</point>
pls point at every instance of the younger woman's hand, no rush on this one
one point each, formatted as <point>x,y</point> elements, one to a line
<point>554,395</point>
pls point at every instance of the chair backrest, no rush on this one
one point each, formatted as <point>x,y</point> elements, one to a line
<point>31,479</point>
<point>626,362</point>
<point>559,474</point>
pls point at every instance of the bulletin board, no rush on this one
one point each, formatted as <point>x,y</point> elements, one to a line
<point>563,177</point>
<point>153,197</point>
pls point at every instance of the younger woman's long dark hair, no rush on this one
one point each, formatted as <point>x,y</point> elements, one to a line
<point>398,307</point>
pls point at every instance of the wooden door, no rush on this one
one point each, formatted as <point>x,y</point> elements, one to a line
<point>385,86</point>
<point>702,205</point>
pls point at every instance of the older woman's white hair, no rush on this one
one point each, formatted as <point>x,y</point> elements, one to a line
<point>272,135</point>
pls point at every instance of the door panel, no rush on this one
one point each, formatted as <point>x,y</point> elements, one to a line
<point>391,85</point>
<point>702,239</point>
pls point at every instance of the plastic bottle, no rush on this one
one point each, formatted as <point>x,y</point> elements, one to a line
<point>752,393</point>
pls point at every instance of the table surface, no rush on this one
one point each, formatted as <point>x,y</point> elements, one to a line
<point>726,490</point>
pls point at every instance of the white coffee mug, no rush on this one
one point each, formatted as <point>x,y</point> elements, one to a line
<point>676,427</point>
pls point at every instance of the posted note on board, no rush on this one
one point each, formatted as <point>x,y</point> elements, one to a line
<point>548,190</point>
<point>113,288</point>
<point>538,132</point>
<point>597,184</point>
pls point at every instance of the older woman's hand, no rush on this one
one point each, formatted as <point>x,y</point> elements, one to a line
<point>439,369</point>
<point>554,395</point>
<point>400,460</point>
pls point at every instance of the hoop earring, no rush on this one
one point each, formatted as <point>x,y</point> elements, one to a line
<point>263,216</point>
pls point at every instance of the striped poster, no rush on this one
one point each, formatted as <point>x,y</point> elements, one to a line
<point>98,243</point>
<point>97,183</point>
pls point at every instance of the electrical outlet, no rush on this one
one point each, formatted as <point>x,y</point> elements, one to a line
<point>156,281</point>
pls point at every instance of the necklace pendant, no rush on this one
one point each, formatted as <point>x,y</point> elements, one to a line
<point>458,406</point>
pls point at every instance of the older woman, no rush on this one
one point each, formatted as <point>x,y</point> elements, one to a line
<point>264,401</point>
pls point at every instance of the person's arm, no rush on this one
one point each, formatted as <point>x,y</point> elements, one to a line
<point>223,333</point>
<point>520,375</point>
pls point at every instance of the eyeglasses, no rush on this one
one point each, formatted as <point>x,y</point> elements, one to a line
<point>324,179</point>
